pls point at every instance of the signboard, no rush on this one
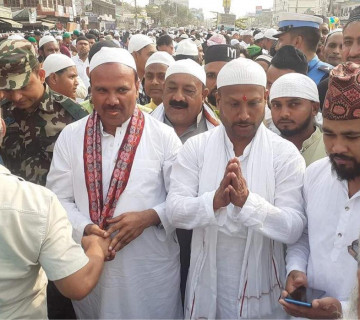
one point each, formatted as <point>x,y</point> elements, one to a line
<point>258,9</point>
<point>84,20</point>
<point>71,14</point>
<point>60,10</point>
<point>88,5</point>
<point>226,20</point>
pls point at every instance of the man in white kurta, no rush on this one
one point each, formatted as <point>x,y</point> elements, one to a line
<point>321,259</point>
<point>237,266</point>
<point>143,280</point>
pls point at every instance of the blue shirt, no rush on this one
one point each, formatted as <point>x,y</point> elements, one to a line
<point>318,69</point>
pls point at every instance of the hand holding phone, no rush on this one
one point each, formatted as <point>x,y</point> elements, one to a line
<point>303,296</point>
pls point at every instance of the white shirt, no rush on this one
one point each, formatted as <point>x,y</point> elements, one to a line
<point>188,209</point>
<point>144,280</point>
<point>35,235</point>
<point>333,224</point>
<point>81,69</point>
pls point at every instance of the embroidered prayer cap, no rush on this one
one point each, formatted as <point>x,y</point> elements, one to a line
<point>216,39</point>
<point>184,36</point>
<point>342,101</point>
<point>186,47</point>
<point>17,60</point>
<point>288,21</point>
<point>269,34</point>
<point>160,57</point>
<point>220,52</point>
<point>45,40</point>
<point>187,66</point>
<point>138,41</point>
<point>56,62</point>
<point>234,42</point>
<point>294,85</point>
<point>109,55</point>
<point>253,50</point>
<point>241,71</point>
<point>31,39</point>
<point>66,35</point>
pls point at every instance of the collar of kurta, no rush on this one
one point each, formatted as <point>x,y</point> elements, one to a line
<point>317,134</point>
<point>3,170</point>
<point>313,62</point>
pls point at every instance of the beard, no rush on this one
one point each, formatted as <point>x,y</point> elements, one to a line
<point>343,172</point>
<point>299,129</point>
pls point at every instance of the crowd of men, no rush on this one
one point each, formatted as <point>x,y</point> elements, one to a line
<point>180,173</point>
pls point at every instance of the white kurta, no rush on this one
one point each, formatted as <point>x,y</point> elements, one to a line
<point>333,224</point>
<point>275,214</point>
<point>143,280</point>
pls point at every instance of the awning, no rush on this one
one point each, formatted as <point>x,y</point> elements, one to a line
<point>13,23</point>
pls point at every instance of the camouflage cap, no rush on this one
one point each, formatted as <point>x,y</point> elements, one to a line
<point>17,59</point>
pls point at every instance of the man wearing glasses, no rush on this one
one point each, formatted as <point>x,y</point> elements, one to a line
<point>331,192</point>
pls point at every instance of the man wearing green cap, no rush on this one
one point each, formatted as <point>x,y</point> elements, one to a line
<point>34,115</point>
<point>66,45</point>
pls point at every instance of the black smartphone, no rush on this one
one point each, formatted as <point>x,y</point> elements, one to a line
<point>303,296</point>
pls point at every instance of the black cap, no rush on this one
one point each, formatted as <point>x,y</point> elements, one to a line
<point>220,52</point>
<point>354,15</point>
<point>288,57</point>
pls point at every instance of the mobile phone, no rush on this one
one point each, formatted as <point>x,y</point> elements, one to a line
<point>303,296</point>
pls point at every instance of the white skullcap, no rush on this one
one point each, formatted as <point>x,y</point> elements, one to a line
<point>187,66</point>
<point>269,34</point>
<point>295,85</point>
<point>46,39</point>
<point>247,33</point>
<point>259,36</point>
<point>138,41</point>
<point>187,47</point>
<point>58,37</point>
<point>108,55</point>
<point>234,42</point>
<point>241,71</point>
<point>160,57</point>
<point>184,36</point>
<point>15,37</point>
<point>181,28</point>
<point>56,62</point>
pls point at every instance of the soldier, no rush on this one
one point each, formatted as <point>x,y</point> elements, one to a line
<point>34,116</point>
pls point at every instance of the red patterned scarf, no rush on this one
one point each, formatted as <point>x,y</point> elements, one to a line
<point>100,211</point>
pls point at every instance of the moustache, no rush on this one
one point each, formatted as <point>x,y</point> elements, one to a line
<point>111,108</point>
<point>242,123</point>
<point>341,156</point>
<point>178,104</point>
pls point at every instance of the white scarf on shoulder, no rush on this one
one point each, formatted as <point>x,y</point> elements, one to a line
<point>263,268</point>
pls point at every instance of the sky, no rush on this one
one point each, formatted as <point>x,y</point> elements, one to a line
<point>238,7</point>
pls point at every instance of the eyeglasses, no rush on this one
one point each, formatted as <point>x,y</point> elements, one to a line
<point>353,249</point>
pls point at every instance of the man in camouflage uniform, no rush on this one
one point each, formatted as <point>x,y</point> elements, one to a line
<point>34,114</point>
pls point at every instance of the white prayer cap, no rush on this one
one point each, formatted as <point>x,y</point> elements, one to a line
<point>269,34</point>
<point>234,42</point>
<point>160,57</point>
<point>295,85</point>
<point>186,47</point>
<point>56,62</point>
<point>58,37</point>
<point>181,28</point>
<point>241,71</point>
<point>187,66</point>
<point>184,36</point>
<point>259,36</point>
<point>15,37</point>
<point>247,33</point>
<point>46,39</point>
<point>138,41</point>
<point>108,55</point>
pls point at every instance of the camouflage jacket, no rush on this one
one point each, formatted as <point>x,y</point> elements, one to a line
<point>27,148</point>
